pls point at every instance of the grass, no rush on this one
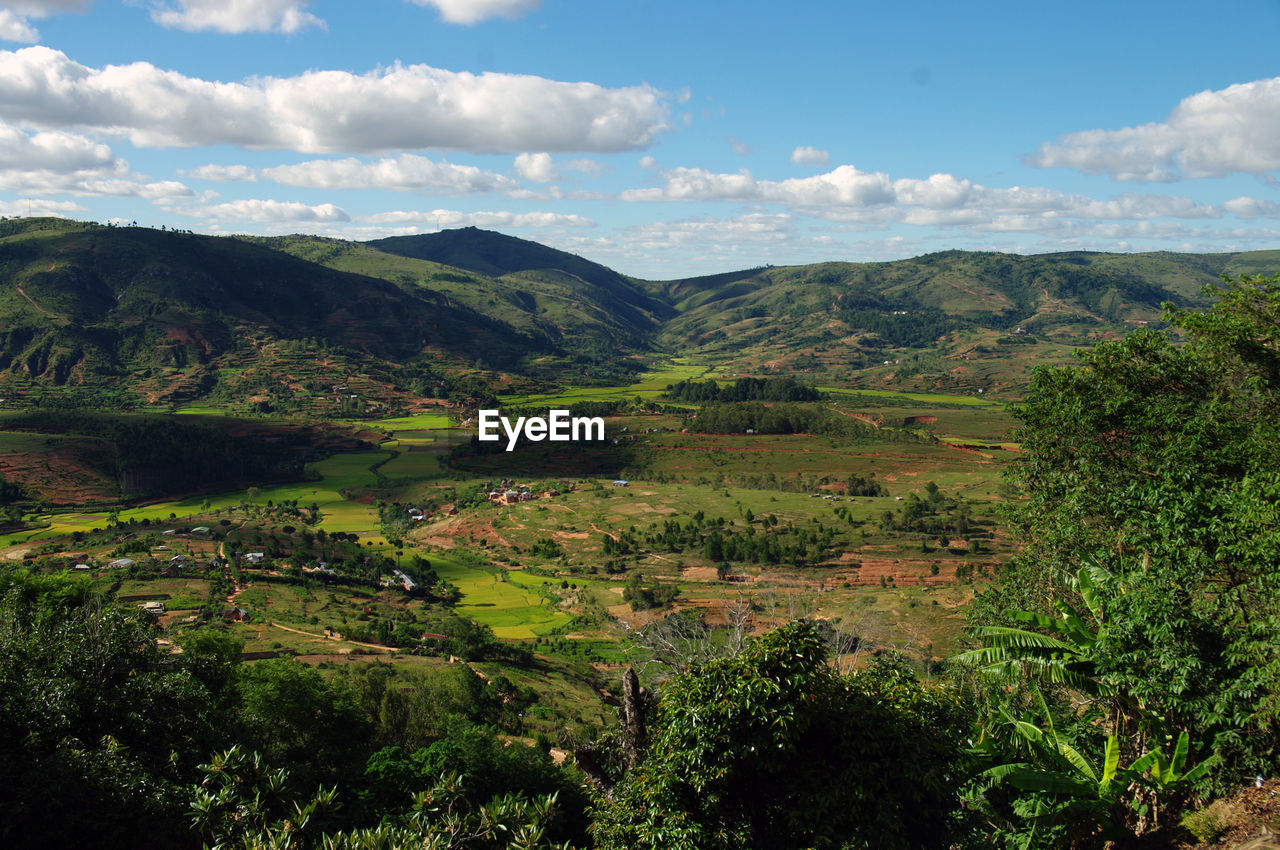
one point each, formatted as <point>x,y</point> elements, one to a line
<point>926,398</point>
<point>416,422</point>
<point>648,386</point>
<point>511,605</point>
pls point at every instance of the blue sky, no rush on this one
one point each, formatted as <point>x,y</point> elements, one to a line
<point>664,139</point>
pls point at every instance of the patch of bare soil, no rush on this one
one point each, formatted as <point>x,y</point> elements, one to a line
<point>65,476</point>
<point>1243,815</point>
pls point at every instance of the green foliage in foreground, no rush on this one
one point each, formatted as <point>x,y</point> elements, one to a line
<point>1141,619</point>
<point>774,749</point>
<point>102,738</point>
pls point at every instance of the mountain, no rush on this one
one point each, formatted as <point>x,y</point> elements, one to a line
<point>175,314</point>
<point>128,315</point>
<point>952,321</point>
<point>548,281</point>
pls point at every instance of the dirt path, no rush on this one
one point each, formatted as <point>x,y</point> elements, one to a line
<point>335,637</point>
<point>861,417</point>
<point>595,527</point>
<point>38,308</point>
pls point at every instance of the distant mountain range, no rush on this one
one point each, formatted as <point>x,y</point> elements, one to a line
<point>130,315</point>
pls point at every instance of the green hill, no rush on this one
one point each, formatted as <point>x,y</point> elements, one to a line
<point>172,315</point>
<point>128,315</point>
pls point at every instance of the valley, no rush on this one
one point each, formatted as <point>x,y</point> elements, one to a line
<point>264,454</point>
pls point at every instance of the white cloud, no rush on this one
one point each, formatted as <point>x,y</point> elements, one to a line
<point>401,107</point>
<point>237,16</point>
<point>589,167</point>
<point>1252,208</point>
<point>53,162</point>
<point>536,167</point>
<point>165,190</point>
<point>266,211</point>
<point>439,219</point>
<point>1210,134</point>
<point>55,150</point>
<point>843,185</point>
<point>45,8</point>
<point>404,173</point>
<point>38,206</point>
<point>474,11</point>
<point>223,173</point>
<point>848,195</point>
<point>15,28</point>
<point>805,155</point>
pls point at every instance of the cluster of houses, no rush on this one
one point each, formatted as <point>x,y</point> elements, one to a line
<point>404,581</point>
<point>508,492</point>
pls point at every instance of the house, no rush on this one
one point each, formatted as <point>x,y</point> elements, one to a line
<point>125,563</point>
<point>254,557</point>
<point>621,483</point>
<point>156,608</point>
<point>81,567</point>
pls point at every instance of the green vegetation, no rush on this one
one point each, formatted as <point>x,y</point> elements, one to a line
<point>311,611</point>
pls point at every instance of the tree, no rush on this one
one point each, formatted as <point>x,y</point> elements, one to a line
<point>97,734</point>
<point>774,749</point>
<point>1159,461</point>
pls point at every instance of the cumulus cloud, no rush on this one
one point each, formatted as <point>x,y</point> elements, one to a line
<point>55,150</point>
<point>848,195</point>
<point>536,167</point>
<point>404,173</point>
<point>400,107</point>
<point>1252,208</point>
<point>453,218</point>
<point>805,155</point>
<point>474,11</point>
<point>1210,134</point>
<point>224,173</point>
<point>53,162</point>
<point>267,211</point>
<point>842,185</point>
<point>41,207</point>
<point>236,16</point>
<point>15,28</point>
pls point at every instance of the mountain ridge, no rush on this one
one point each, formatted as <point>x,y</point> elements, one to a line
<point>180,314</point>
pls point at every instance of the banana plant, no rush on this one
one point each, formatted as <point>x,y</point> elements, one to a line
<point>1062,650</point>
<point>1058,782</point>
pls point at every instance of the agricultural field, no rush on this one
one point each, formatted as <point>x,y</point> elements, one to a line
<point>883,532</point>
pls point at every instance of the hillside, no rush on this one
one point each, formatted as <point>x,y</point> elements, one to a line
<point>951,321</point>
<point>179,316</point>
<point>128,315</point>
<point>563,301</point>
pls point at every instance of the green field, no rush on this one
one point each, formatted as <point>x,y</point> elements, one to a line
<point>648,386</point>
<point>509,604</point>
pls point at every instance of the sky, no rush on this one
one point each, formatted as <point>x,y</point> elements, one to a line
<point>663,139</point>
